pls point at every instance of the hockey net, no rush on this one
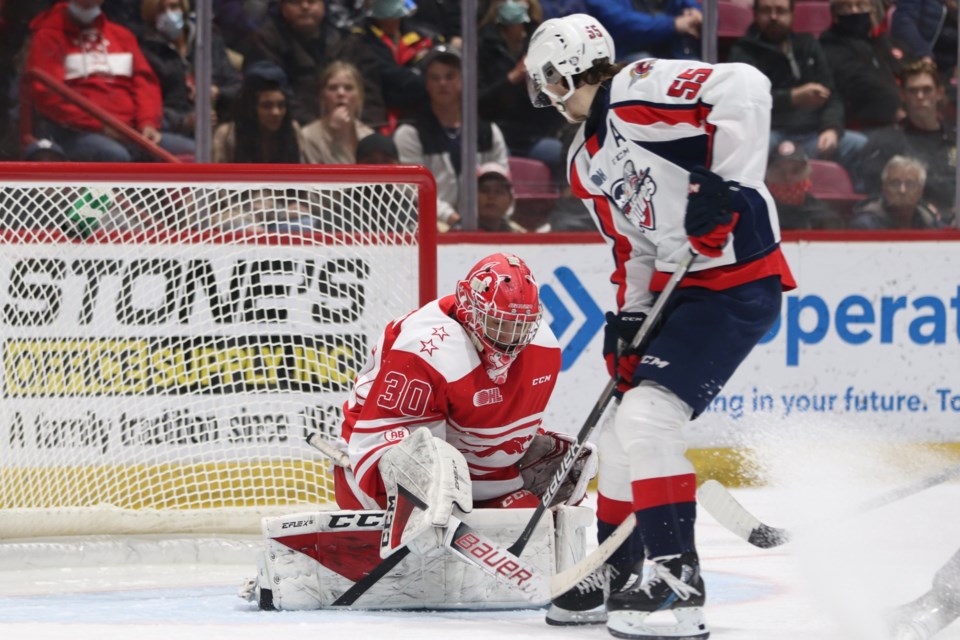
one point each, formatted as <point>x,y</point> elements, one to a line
<point>172,333</point>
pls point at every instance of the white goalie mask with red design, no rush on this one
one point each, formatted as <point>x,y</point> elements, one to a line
<point>499,305</point>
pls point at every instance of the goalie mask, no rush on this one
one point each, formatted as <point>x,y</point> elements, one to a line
<point>499,306</point>
<point>560,49</point>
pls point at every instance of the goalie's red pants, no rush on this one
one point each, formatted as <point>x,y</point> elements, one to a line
<point>346,499</point>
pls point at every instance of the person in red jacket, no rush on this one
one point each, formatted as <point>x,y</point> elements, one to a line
<point>76,44</point>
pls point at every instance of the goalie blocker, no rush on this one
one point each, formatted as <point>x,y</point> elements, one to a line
<point>311,558</point>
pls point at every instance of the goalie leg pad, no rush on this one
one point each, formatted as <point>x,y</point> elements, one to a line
<point>310,559</point>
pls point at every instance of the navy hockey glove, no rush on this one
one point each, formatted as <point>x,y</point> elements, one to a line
<point>617,335</point>
<point>709,220</point>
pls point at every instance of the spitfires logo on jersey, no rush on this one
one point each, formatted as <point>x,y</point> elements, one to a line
<point>634,196</point>
<point>641,70</point>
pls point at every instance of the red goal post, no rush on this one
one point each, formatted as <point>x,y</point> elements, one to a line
<point>171,334</point>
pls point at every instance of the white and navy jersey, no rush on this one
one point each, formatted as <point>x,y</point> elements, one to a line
<point>426,372</point>
<point>631,161</point>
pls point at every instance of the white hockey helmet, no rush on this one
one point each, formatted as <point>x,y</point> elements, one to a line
<point>561,48</point>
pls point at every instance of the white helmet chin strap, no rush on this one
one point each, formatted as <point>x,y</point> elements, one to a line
<point>560,102</point>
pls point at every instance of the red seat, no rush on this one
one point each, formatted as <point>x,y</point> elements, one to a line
<point>733,19</point>
<point>831,183</point>
<point>531,178</point>
<point>811,17</point>
<point>534,191</point>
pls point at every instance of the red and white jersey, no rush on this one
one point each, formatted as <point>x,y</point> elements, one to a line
<point>631,162</point>
<point>425,372</point>
<point>102,62</point>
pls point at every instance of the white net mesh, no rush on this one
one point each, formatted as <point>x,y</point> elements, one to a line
<point>167,345</point>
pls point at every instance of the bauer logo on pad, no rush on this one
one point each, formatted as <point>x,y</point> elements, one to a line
<point>487,396</point>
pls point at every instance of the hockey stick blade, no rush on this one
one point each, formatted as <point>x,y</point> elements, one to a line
<point>569,578</point>
<point>716,499</point>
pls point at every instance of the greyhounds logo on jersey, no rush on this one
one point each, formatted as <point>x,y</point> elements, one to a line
<point>634,196</point>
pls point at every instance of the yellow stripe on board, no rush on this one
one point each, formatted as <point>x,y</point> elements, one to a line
<point>739,467</point>
<point>169,486</point>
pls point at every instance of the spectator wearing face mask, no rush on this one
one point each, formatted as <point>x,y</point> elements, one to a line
<point>78,45</point>
<point>169,44</point>
<point>863,64</point>
<point>788,179</point>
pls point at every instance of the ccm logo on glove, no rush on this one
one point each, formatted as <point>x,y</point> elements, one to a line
<point>709,220</point>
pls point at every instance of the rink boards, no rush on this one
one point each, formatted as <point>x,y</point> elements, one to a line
<point>870,336</point>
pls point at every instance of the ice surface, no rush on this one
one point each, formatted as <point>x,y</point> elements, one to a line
<point>834,582</point>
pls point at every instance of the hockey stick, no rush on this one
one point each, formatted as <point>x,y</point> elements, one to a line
<point>717,500</point>
<point>470,546</point>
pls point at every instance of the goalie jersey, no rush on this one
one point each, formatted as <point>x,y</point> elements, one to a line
<point>425,372</point>
<point>630,164</point>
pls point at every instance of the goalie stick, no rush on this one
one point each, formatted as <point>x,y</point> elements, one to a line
<point>462,539</point>
<point>717,500</point>
<point>566,463</point>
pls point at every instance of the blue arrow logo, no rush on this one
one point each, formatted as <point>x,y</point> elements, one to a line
<point>562,318</point>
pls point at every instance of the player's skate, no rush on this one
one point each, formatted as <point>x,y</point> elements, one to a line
<point>671,585</point>
<point>584,602</point>
<point>922,618</point>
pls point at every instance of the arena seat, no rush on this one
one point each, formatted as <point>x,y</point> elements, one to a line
<point>831,183</point>
<point>534,190</point>
<point>811,17</point>
<point>733,19</point>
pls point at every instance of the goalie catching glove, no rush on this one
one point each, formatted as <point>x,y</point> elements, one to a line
<point>540,463</point>
<point>424,478</point>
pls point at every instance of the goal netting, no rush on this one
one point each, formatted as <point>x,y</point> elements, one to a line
<point>170,335</point>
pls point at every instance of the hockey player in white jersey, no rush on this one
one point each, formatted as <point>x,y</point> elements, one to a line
<point>669,152</point>
<point>934,610</point>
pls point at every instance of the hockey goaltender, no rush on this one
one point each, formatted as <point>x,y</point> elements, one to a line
<point>440,466</point>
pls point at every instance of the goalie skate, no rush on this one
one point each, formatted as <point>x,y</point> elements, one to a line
<point>674,586</point>
<point>584,603</point>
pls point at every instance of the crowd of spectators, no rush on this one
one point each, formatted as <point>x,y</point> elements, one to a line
<point>379,81</point>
